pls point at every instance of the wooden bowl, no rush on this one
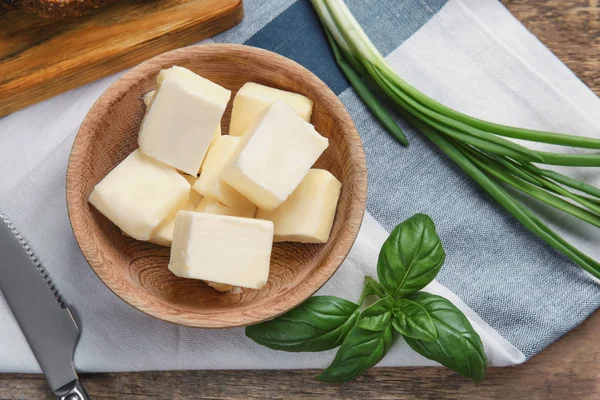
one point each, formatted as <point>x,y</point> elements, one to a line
<point>137,271</point>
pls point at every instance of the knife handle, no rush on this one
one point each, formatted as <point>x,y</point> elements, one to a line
<point>72,391</point>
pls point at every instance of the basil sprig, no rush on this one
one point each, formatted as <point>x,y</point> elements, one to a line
<point>411,257</point>
<point>361,350</point>
<point>320,323</point>
<point>458,346</point>
<point>431,325</point>
<point>412,320</point>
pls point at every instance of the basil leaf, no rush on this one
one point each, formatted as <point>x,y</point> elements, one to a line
<point>320,323</point>
<point>412,320</point>
<point>458,346</point>
<point>374,287</point>
<point>411,257</point>
<point>361,350</point>
<point>376,317</point>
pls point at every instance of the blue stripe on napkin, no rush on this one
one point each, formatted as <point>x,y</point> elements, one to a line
<point>297,33</point>
<point>388,23</point>
<point>257,13</point>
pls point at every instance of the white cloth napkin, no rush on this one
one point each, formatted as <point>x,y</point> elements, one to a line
<point>471,55</point>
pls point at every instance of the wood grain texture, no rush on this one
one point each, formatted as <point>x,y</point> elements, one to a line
<point>568,369</point>
<point>136,271</point>
<point>55,9</point>
<point>41,58</point>
<point>571,29</point>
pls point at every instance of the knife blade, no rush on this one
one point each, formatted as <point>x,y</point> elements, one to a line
<point>35,302</point>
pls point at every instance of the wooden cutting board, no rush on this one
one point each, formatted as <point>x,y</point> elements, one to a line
<point>41,58</point>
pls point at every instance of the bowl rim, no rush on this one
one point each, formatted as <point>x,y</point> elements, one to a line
<point>302,292</point>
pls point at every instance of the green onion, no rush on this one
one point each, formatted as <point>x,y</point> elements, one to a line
<point>479,147</point>
<point>366,96</point>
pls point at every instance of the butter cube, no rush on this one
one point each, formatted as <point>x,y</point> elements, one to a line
<point>164,235</point>
<point>216,135</point>
<point>307,215</point>
<point>222,249</point>
<point>191,180</point>
<point>209,184</point>
<point>149,98</point>
<point>273,156</point>
<point>211,206</point>
<point>221,287</point>
<point>182,119</point>
<point>253,99</point>
<point>140,194</point>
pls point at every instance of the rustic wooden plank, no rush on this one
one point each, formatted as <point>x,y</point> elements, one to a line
<point>570,29</point>
<point>566,370</point>
<point>42,58</point>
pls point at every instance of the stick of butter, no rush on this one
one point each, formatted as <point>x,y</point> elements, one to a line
<point>209,184</point>
<point>222,249</point>
<point>140,194</point>
<point>164,235</point>
<point>307,215</point>
<point>253,99</point>
<point>182,119</point>
<point>273,156</point>
<point>212,206</point>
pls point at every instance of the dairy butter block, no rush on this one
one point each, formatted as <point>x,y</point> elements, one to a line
<point>215,137</point>
<point>273,156</point>
<point>149,97</point>
<point>222,249</point>
<point>253,99</point>
<point>164,235</point>
<point>182,119</point>
<point>209,184</point>
<point>139,194</point>
<point>307,215</point>
<point>212,206</point>
<point>221,287</point>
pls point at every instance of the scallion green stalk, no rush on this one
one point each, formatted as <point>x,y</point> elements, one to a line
<point>366,95</point>
<point>479,147</point>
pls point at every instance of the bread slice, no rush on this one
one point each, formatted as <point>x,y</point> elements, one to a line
<point>56,9</point>
<point>7,5</point>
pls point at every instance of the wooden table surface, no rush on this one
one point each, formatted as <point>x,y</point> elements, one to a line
<point>566,370</point>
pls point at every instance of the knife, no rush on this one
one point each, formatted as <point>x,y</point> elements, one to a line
<point>35,302</point>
